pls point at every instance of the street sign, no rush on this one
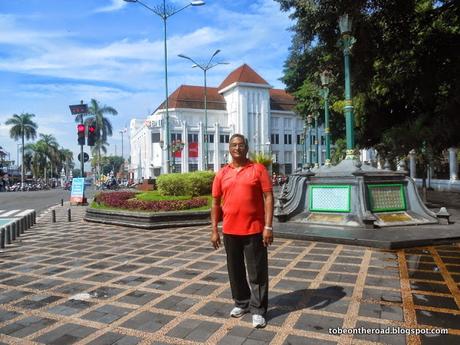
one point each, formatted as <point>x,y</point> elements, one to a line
<point>85,157</point>
<point>78,109</point>
<point>77,195</point>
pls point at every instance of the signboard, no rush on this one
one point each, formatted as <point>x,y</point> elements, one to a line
<point>85,157</point>
<point>386,197</point>
<point>330,198</point>
<point>77,195</point>
<point>192,150</point>
<point>78,109</point>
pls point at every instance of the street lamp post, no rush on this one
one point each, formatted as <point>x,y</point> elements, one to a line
<point>347,41</point>
<point>205,69</point>
<point>164,12</point>
<point>326,77</point>
<point>309,122</point>
<point>316,141</point>
<point>123,131</point>
<point>304,145</point>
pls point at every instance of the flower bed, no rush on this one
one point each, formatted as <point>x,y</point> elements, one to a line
<point>127,200</point>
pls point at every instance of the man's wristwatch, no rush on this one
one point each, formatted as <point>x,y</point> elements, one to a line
<point>269,228</point>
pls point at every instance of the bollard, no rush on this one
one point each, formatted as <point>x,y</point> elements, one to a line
<point>53,216</point>
<point>18,228</point>
<point>27,221</point>
<point>69,215</point>
<point>34,217</point>
<point>8,235</point>
<point>23,224</point>
<point>62,202</point>
<point>2,238</point>
<point>13,231</point>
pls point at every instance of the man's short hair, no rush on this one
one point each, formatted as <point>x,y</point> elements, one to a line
<point>237,135</point>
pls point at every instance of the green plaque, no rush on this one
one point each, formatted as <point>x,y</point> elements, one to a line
<point>386,197</point>
<point>330,198</point>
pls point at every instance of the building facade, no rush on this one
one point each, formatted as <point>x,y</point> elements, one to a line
<point>243,103</point>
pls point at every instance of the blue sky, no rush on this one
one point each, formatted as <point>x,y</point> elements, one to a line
<point>57,52</point>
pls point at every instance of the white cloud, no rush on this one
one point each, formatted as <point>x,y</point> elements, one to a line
<point>114,6</point>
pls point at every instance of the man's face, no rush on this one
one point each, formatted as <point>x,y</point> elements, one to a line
<point>238,148</point>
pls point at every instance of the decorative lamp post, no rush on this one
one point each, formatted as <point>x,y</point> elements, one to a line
<point>176,146</point>
<point>346,43</point>
<point>164,12</point>
<point>205,69</point>
<point>326,78</point>
<point>316,141</point>
<point>304,145</point>
<point>309,122</point>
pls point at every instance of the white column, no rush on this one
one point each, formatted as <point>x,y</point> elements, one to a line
<point>412,164</point>
<point>200,146</point>
<point>453,164</point>
<point>216,148</point>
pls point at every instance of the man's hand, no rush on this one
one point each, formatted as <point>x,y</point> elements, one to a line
<point>267,237</point>
<point>215,239</point>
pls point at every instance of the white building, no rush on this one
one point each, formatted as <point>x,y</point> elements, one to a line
<point>243,103</point>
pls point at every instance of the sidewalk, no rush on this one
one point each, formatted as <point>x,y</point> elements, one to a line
<point>84,283</point>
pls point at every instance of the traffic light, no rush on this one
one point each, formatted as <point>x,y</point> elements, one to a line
<point>81,134</point>
<point>91,135</point>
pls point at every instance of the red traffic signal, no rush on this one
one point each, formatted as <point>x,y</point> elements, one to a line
<point>91,135</point>
<point>81,134</point>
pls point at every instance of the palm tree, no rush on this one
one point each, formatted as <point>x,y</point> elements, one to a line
<point>103,125</point>
<point>22,128</point>
<point>100,146</point>
<point>35,155</point>
<point>51,151</point>
<point>65,160</point>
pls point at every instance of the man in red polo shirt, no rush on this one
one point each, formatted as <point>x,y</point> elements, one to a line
<point>242,192</point>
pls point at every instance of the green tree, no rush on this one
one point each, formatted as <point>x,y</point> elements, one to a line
<point>51,153</point>
<point>405,68</point>
<point>65,160</point>
<point>24,128</point>
<point>103,125</point>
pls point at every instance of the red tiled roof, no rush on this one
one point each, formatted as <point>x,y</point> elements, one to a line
<point>281,100</point>
<point>192,97</point>
<point>243,74</point>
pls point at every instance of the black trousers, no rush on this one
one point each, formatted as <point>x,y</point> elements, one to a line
<point>248,252</point>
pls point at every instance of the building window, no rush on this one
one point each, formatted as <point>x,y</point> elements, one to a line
<point>288,157</point>
<point>192,167</point>
<point>299,139</point>
<point>287,123</point>
<point>211,138</point>
<point>288,169</point>
<point>176,136</point>
<point>287,139</point>
<point>155,137</point>
<point>192,138</point>
<point>275,122</point>
<point>224,138</point>
<point>275,139</point>
<point>323,140</point>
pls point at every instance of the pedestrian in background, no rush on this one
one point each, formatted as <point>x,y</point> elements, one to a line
<point>243,194</point>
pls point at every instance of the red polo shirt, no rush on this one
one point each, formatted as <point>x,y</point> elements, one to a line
<point>242,197</point>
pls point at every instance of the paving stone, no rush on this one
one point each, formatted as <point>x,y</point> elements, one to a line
<point>443,339</point>
<point>132,280</point>
<point>296,340</point>
<point>45,284</point>
<point>292,285</point>
<point>164,284</point>
<point>147,321</point>
<point>105,292</point>
<point>435,301</point>
<point>66,334</point>
<point>381,281</point>
<point>177,303</point>
<point>216,309</point>
<point>429,286</point>
<point>393,339</point>
<point>6,315</point>
<point>139,297</point>
<point>70,307</point>
<point>155,271</point>
<point>73,288</point>
<point>199,289</point>
<point>102,277</point>
<point>381,311</point>
<point>37,301</point>
<point>438,319</point>
<point>302,274</point>
<point>194,330</point>
<point>111,338</point>
<point>19,280</point>
<point>107,314</point>
<point>309,265</point>
<point>24,327</point>
<point>317,323</point>
<point>379,295</point>
<point>8,296</point>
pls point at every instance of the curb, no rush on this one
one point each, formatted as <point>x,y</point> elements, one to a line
<point>14,229</point>
<point>146,220</point>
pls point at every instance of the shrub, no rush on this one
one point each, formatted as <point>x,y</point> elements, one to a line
<point>127,201</point>
<point>193,184</point>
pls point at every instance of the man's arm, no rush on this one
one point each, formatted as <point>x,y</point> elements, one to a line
<point>216,215</point>
<point>268,208</point>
